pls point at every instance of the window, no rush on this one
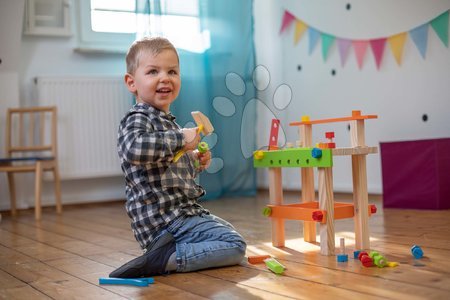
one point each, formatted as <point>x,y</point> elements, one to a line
<point>114,24</point>
<point>47,17</point>
<point>114,16</point>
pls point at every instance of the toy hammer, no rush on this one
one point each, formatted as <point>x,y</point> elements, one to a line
<point>204,126</point>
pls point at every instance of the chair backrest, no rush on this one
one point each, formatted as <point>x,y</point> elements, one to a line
<point>31,131</point>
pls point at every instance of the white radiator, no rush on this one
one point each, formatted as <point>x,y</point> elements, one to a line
<point>89,112</point>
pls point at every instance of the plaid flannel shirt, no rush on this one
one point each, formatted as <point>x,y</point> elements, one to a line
<point>157,189</point>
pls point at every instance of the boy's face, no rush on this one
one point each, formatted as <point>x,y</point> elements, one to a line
<point>156,80</point>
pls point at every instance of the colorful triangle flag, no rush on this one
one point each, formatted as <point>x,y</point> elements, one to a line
<point>313,38</point>
<point>300,28</point>
<point>327,41</point>
<point>287,20</point>
<point>377,46</point>
<point>396,43</point>
<point>343,46</point>
<point>440,26</point>
<point>360,50</point>
<point>419,35</point>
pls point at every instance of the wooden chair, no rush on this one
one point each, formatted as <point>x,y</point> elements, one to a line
<point>31,146</point>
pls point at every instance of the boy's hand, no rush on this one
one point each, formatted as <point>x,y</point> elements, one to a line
<point>204,159</point>
<point>191,138</point>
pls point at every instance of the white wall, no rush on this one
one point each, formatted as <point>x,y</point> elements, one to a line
<point>399,95</point>
<point>32,56</point>
<point>9,72</point>
<point>9,59</point>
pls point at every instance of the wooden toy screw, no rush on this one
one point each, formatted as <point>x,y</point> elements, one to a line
<point>342,257</point>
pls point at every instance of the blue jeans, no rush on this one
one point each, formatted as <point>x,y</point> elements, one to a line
<point>205,241</point>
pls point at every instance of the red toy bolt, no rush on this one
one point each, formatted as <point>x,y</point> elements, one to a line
<point>317,216</point>
<point>366,261</point>
<point>330,135</point>
<point>360,255</point>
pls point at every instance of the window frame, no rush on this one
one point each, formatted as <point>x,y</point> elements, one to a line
<point>89,40</point>
<point>32,17</point>
<point>114,42</point>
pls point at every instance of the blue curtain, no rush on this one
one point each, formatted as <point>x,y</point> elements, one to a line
<point>218,82</point>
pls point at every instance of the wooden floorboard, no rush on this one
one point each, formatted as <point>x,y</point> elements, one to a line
<point>63,256</point>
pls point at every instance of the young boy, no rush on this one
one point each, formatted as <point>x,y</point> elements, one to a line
<point>175,232</point>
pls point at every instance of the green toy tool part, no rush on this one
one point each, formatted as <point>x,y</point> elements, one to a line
<point>202,147</point>
<point>274,265</point>
<point>292,157</point>
<point>267,211</point>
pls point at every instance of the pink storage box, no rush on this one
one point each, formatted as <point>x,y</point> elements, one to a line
<point>416,174</point>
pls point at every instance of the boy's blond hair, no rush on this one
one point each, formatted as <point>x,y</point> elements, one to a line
<point>155,45</point>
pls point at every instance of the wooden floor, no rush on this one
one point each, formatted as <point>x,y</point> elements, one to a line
<point>62,257</point>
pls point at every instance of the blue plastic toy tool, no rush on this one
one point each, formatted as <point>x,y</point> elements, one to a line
<point>316,152</point>
<point>342,257</point>
<point>127,281</point>
<point>417,252</point>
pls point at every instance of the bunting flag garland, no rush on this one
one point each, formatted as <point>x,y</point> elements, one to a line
<point>313,38</point>
<point>396,42</point>
<point>419,36</point>
<point>360,50</point>
<point>327,41</point>
<point>440,26</point>
<point>288,18</point>
<point>377,46</point>
<point>300,29</point>
<point>344,46</point>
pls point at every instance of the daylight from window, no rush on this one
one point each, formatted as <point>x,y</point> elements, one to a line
<point>180,24</point>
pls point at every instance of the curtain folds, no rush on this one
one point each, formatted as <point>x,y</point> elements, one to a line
<point>217,61</point>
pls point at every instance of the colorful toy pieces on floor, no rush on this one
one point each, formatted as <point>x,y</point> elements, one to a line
<point>374,258</point>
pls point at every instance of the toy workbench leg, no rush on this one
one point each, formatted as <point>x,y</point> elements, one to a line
<point>276,198</point>
<point>308,194</point>
<point>360,196</point>
<point>326,202</point>
<point>361,202</point>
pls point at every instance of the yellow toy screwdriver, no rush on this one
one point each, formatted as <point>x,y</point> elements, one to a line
<point>204,126</point>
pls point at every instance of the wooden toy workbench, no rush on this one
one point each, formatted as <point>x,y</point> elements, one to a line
<point>325,211</point>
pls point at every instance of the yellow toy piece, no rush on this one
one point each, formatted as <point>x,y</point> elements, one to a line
<point>259,155</point>
<point>392,264</point>
<point>204,126</point>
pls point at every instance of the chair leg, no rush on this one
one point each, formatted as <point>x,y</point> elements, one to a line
<point>38,190</point>
<point>57,189</point>
<point>12,193</point>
